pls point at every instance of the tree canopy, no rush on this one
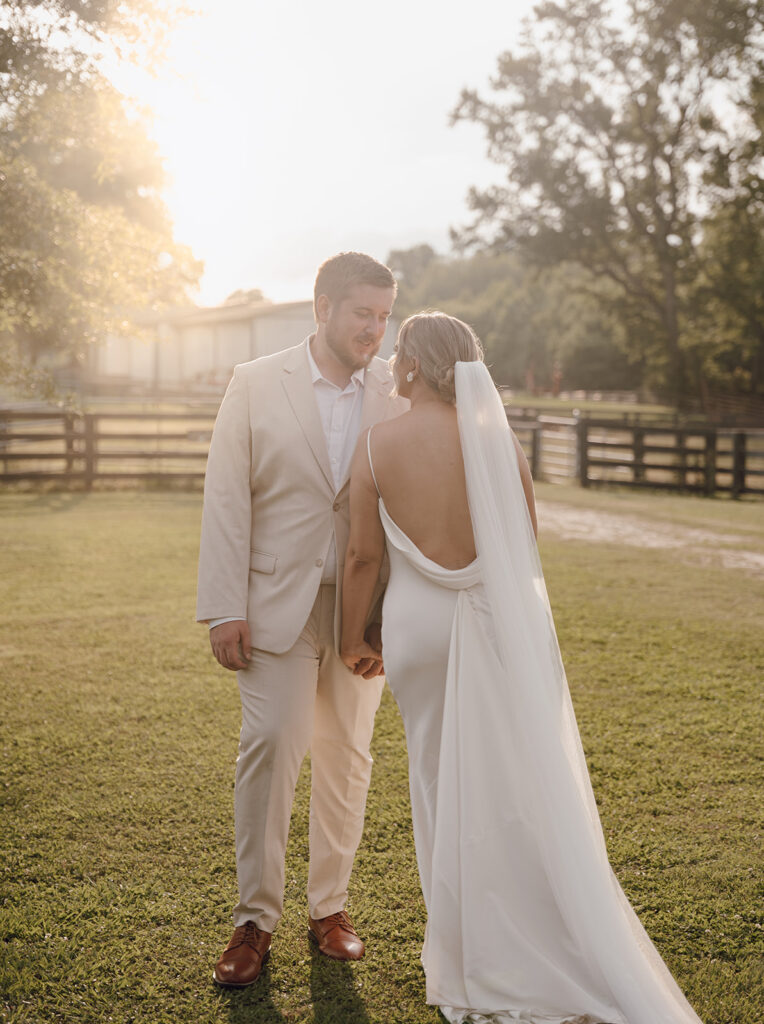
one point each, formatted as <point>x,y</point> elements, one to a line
<point>242,296</point>
<point>625,139</point>
<point>86,239</point>
<point>535,324</point>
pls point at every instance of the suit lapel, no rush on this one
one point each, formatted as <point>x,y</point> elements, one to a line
<point>299,391</point>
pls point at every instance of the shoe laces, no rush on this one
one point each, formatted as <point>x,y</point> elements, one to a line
<point>339,920</point>
<point>246,934</point>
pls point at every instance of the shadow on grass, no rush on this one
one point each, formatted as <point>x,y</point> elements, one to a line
<point>333,992</point>
<point>251,1005</point>
<point>333,996</point>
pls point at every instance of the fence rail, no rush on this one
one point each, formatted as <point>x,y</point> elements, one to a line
<point>703,460</point>
<point>166,446</point>
<point>103,446</point>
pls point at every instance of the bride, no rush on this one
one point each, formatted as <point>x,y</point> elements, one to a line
<point>526,920</point>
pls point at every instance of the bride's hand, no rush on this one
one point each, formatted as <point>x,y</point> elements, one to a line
<point>373,636</point>
<point>362,660</point>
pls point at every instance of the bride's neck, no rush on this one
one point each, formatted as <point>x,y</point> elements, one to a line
<point>423,398</point>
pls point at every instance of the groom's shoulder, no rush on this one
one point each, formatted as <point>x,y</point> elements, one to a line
<point>265,367</point>
<point>381,372</point>
<point>383,376</point>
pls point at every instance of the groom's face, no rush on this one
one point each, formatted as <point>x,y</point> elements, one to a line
<point>356,324</point>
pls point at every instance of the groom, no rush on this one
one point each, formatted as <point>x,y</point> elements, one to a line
<point>274,531</point>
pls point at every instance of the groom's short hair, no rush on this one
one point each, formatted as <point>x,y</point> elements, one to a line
<point>337,275</point>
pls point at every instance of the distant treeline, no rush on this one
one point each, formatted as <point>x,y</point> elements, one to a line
<point>628,216</point>
<point>537,328</point>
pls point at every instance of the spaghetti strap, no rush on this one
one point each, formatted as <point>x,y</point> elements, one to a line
<point>371,464</point>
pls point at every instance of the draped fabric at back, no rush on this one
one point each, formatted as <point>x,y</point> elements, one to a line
<point>555,798</point>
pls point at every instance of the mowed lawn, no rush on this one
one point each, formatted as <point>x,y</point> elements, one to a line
<point>119,741</point>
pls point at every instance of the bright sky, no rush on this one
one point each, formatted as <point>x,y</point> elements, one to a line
<point>294,130</point>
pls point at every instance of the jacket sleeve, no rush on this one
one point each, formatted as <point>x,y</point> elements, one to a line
<point>227,513</point>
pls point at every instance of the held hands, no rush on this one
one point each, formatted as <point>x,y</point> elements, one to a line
<point>230,642</point>
<point>231,645</point>
<point>365,657</point>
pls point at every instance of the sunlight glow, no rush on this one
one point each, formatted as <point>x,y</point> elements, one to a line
<point>292,131</point>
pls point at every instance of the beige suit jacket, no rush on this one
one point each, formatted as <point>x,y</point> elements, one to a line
<point>270,506</point>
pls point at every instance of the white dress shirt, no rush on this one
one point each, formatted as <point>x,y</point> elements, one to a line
<point>340,412</point>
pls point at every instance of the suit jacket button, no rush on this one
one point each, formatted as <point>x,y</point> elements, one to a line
<point>319,562</point>
<point>336,506</point>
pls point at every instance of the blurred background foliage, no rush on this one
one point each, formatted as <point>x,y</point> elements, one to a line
<point>621,248</point>
<point>627,230</point>
<point>86,240</point>
<point>532,321</point>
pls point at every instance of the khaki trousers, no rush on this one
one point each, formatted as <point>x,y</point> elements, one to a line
<point>303,699</point>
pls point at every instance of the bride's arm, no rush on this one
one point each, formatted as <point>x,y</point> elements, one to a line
<point>365,551</point>
<point>527,482</point>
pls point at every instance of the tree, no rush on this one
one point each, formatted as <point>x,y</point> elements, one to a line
<point>530,320</point>
<point>408,265</point>
<point>86,238</point>
<point>728,325</point>
<point>608,132</point>
<point>243,296</point>
<point>728,295</point>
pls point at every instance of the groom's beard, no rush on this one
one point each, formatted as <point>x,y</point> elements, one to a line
<point>354,353</point>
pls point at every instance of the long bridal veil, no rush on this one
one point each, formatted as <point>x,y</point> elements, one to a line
<point>554,796</point>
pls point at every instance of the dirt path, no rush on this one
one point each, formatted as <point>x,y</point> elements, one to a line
<point>702,547</point>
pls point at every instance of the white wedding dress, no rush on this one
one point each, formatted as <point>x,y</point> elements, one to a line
<point>526,921</point>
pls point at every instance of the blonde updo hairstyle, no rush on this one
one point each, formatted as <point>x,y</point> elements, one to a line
<point>438,341</point>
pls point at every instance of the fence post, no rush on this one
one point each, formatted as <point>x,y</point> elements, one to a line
<point>536,451</point>
<point>638,471</point>
<point>681,455</point>
<point>91,454</point>
<point>710,479</point>
<point>69,441</point>
<point>4,445</point>
<point>738,463</point>
<point>582,452</point>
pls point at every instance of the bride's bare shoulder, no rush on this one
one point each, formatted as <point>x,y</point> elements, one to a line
<point>381,438</point>
<point>391,431</point>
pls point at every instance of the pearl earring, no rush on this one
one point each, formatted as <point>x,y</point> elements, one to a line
<point>410,376</point>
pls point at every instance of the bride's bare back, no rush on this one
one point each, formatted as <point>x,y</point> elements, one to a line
<point>419,469</point>
<point>420,472</point>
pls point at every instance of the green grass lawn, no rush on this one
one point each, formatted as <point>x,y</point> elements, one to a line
<point>119,740</point>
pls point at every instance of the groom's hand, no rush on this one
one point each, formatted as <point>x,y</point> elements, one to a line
<point>365,658</point>
<point>373,637</point>
<point>361,659</point>
<point>231,644</point>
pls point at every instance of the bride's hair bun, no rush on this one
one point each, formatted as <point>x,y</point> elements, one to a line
<point>447,384</point>
<point>439,341</point>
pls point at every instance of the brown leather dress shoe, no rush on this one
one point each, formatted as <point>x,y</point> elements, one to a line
<point>244,957</point>
<point>336,937</point>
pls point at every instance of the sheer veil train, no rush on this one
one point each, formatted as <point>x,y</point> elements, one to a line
<point>519,719</point>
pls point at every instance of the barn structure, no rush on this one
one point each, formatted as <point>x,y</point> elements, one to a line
<point>196,350</point>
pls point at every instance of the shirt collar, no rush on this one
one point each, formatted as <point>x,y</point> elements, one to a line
<point>316,375</point>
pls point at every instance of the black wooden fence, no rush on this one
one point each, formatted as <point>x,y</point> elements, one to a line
<point>166,446</point>
<point>83,448</point>
<point>704,460</point>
